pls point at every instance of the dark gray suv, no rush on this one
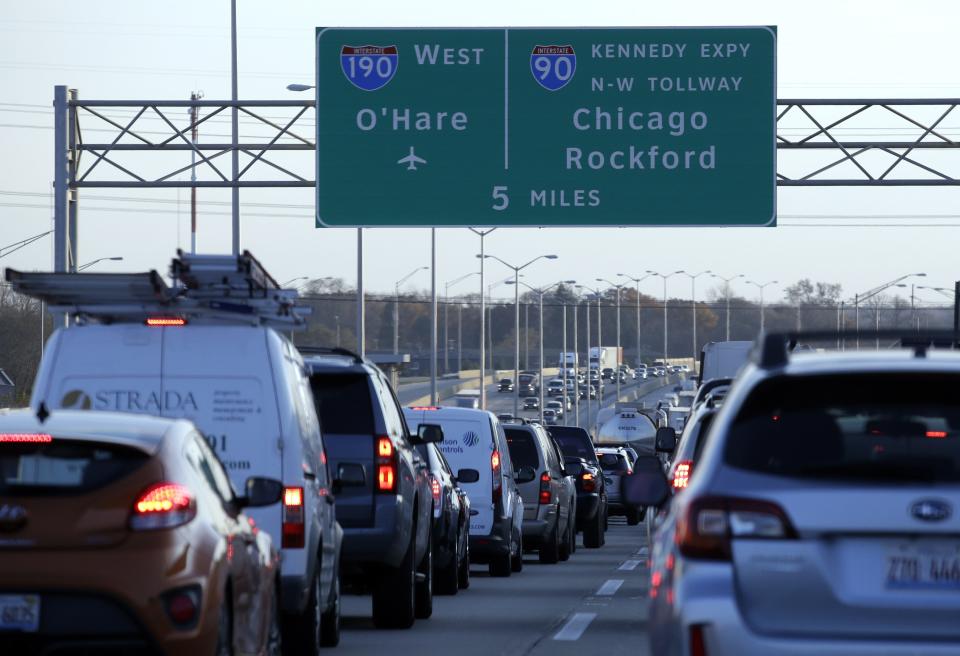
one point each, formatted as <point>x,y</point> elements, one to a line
<point>384,501</point>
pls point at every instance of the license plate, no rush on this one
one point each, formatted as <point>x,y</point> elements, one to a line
<point>20,613</point>
<point>933,567</point>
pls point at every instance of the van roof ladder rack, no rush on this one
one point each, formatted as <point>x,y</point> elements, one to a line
<point>211,289</point>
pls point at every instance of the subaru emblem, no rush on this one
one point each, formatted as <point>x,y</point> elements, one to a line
<point>931,510</point>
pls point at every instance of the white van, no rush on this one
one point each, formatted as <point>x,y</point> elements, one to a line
<point>242,383</point>
<point>474,439</point>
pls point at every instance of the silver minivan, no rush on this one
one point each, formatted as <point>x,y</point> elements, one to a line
<point>549,498</point>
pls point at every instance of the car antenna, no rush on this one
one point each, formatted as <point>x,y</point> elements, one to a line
<point>42,412</point>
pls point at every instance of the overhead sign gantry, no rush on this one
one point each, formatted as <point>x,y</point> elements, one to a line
<point>546,127</point>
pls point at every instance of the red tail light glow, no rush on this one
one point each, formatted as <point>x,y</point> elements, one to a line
<point>546,496</point>
<point>161,322</point>
<point>435,488</point>
<point>163,505</point>
<point>937,435</point>
<point>495,478</point>
<point>707,526</point>
<point>589,482</point>
<point>183,605</point>
<point>424,407</point>
<point>681,474</point>
<point>698,646</point>
<point>386,465</point>
<point>292,535</point>
<point>25,438</point>
<point>384,447</point>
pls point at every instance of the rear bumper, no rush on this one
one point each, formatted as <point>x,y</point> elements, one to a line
<point>497,543</point>
<point>535,529</point>
<point>381,545</point>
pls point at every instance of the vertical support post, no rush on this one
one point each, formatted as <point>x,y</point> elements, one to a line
<point>541,358</point>
<point>483,335</point>
<point>589,381</point>
<point>460,339</point>
<point>563,365</point>
<point>856,317</point>
<point>61,192</point>
<point>396,318</point>
<point>446,330</point>
<point>235,133</point>
<point>666,327</point>
<point>194,130</point>
<point>516,342</point>
<point>617,372</point>
<point>639,354</point>
<point>526,334</point>
<point>433,317</point>
<point>361,314</point>
<point>693,308</point>
<point>73,157</point>
<point>576,366</point>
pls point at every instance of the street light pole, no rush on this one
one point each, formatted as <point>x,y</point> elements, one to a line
<point>666,332</point>
<point>516,323</point>
<point>446,304</point>
<point>483,321</point>
<point>396,308</point>
<point>637,281</point>
<point>693,308</point>
<point>870,293</point>
<point>726,292</point>
<point>619,288</point>
<point>760,286</point>
<point>99,259</point>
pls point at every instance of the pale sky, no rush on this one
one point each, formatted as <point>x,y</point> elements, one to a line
<point>111,49</point>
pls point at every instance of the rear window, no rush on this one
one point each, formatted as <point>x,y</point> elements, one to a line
<point>523,449</point>
<point>877,427</point>
<point>64,466</point>
<point>613,462</point>
<point>575,446</point>
<point>343,403</point>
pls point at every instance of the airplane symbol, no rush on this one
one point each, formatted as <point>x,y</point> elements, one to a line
<point>411,160</point>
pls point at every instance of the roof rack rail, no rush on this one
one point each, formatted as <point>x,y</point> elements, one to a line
<point>329,350</point>
<point>206,288</point>
<point>772,349</point>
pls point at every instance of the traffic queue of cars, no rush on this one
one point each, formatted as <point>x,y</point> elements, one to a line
<point>121,524</point>
<point>809,506</point>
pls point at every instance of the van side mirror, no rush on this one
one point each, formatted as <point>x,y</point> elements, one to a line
<point>468,476</point>
<point>525,475</point>
<point>647,486</point>
<point>427,433</point>
<point>260,491</point>
<point>349,474</point>
<point>666,439</point>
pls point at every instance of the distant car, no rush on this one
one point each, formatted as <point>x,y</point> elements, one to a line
<point>550,417</point>
<point>575,444</point>
<point>555,387</point>
<point>641,372</point>
<point>506,417</point>
<point>531,403</point>
<point>588,391</point>
<point>549,499</point>
<point>122,534</point>
<point>557,407</point>
<point>607,373</point>
<point>505,385</point>
<point>615,463</point>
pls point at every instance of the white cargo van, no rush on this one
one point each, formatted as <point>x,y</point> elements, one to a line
<point>723,359</point>
<point>474,439</point>
<point>139,346</point>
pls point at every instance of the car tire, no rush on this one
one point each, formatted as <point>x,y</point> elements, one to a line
<point>573,531</point>
<point>516,562</point>
<point>550,547</point>
<point>593,532</point>
<point>448,577</point>
<point>464,573</point>
<point>394,597</point>
<point>424,596</point>
<point>564,545</point>
<point>225,629</point>
<point>500,565</point>
<point>330,620</point>
<point>274,644</point>
<point>633,516</point>
<point>302,632</point>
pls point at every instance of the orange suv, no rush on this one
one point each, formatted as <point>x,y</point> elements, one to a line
<point>121,532</point>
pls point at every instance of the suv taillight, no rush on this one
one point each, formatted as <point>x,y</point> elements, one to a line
<point>681,474</point>
<point>495,471</point>
<point>386,465</point>
<point>545,495</point>
<point>292,529</point>
<point>708,525</point>
<point>588,482</point>
<point>164,505</point>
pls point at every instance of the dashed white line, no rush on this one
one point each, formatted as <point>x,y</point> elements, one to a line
<point>609,588</point>
<point>575,627</point>
<point>629,565</point>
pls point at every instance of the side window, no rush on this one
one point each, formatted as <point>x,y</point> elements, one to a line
<point>399,408</point>
<point>392,418</point>
<point>506,465</point>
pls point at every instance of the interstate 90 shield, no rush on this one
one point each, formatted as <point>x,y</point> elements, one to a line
<point>553,66</point>
<point>369,67</point>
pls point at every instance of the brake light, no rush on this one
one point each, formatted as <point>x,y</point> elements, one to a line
<point>292,529</point>
<point>165,322</point>
<point>25,438</point>
<point>545,495</point>
<point>589,482</point>
<point>386,465</point>
<point>698,646</point>
<point>937,435</point>
<point>681,474</point>
<point>435,488</point>
<point>708,525</point>
<point>495,471</point>
<point>163,505</point>
<point>183,605</point>
<point>424,407</point>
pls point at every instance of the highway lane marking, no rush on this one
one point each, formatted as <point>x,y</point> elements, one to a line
<point>629,565</point>
<point>575,627</point>
<point>609,588</point>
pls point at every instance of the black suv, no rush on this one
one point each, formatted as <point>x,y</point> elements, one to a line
<point>575,444</point>
<point>384,500</point>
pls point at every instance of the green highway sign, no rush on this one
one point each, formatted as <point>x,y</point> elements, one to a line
<point>546,127</point>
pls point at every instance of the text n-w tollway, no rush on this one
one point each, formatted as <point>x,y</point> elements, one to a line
<point>594,603</point>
